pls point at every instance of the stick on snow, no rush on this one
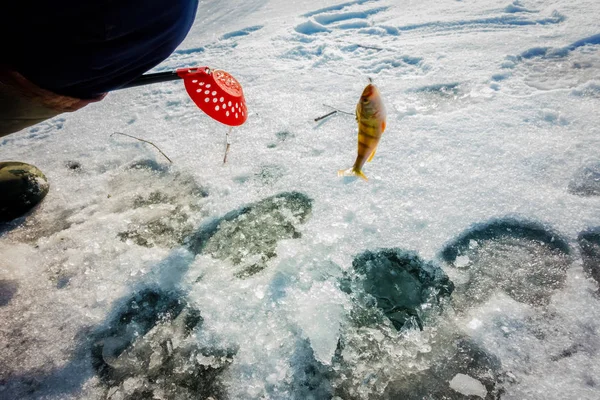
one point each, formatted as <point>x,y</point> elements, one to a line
<point>145,141</point>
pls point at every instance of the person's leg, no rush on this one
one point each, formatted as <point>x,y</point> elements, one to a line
<point>18,112</point>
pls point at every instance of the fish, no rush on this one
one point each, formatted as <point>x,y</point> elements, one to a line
<point>371,119</point>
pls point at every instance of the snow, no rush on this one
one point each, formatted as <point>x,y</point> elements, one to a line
<point>492,116</point>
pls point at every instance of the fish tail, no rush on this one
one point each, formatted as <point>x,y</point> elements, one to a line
<point>352,172</point>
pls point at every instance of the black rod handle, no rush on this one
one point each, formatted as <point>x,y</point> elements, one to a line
<point>148,79</point>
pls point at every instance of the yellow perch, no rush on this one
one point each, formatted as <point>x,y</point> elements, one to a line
<point>370,115</point>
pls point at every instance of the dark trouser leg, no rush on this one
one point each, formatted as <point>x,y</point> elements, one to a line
<point>18,112</point>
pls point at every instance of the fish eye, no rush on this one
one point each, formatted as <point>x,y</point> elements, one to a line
<point>364,99</point>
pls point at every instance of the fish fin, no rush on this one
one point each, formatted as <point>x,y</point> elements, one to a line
<point>383,125</point>
<point>360,174</point>
<point>352,172</point>
<point>372,155</point>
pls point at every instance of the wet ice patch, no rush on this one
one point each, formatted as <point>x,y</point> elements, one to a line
<point>458,370</point>
<point>402,285</point>
<point>586,181</point>
<point>147,350</point>
<point>269,174</point>
<point>248,237</point>
<point>436,98</point>
<point>156,217</point>
<point>589,242</point>
<point>8,288</point>
<point>523,259</point>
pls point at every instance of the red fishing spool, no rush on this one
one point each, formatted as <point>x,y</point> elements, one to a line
<point>217,93</point>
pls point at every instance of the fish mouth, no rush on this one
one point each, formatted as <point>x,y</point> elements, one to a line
<point>369,92</point>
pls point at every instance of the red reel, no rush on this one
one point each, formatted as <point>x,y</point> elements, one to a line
<point>217,93</point>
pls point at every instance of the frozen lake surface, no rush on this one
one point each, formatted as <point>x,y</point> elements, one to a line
<point>466,268</point>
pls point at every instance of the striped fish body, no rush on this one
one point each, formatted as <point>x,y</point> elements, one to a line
<point>371,118</point>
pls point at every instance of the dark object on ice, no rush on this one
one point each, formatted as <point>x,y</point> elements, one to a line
<point>524,259</point>
<point>466,358</point>
<point>586,181</point>
<point>8,288</point>
<point>22,187</point>
<point>248,237</point>
<point>73,165</point>
<point>149,340</point>
<point>589,242</point>
<point>95,47</point>
<point>401,282</point>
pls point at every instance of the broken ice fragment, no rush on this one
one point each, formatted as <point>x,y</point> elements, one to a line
<point>468,386</point>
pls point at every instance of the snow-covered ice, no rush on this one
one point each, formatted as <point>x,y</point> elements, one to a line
<point>137,278</point>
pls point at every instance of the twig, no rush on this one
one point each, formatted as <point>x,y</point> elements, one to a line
<point>325,116</point>
<point>227,144</point>
<point>369,47</point>
<point>338,110</point>
<point>145,141</point>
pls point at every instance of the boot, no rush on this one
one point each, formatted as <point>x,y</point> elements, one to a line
<point>22,187</point>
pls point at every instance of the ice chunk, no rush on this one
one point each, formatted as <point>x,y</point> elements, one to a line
<point>320,311</point>
<point>468,386</point>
